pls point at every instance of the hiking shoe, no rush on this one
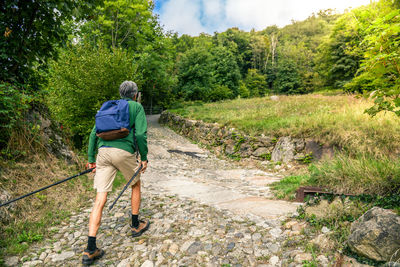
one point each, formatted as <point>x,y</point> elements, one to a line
<point>138,231</point>
<point>89,257</point>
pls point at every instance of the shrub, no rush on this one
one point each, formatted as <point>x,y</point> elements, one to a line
<point>81,80</point>
<point>13,105</point>
<point>220,92</point>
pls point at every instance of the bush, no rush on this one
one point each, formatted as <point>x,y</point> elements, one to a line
<point>220,92</point>
<point>243,91</point>
<point>256,83</point>
<point>81,80</point>
<point>13,105</point>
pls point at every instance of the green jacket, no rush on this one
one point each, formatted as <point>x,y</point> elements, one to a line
<point>137,117</point>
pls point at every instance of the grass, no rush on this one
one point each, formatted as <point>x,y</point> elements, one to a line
<point>367,148</point>
<point>333,120</point>
<point>28,220</point>
<point>362,174</point>
<point>286,188</point>
<point>32,216</point>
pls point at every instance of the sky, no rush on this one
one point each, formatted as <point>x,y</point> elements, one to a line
<point>196,16</point>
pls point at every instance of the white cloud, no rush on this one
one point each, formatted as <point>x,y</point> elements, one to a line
<point>196,16</point>
<point>182,16</point>
<point>213,8</point>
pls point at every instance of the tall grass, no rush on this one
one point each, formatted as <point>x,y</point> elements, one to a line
<point>369,146</point>
<point>361,174</point>
<point>331,120</point>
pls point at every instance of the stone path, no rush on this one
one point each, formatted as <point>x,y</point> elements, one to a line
<point>204,212</point>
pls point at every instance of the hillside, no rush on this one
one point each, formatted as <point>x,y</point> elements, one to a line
<point>332,120</point>
<point>367,148</point>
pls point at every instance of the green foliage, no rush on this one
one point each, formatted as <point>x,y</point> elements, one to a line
<point>238,42</point>
<point>154,74</point>
<point>225,70</point>
<point>14,103</point>
<point>195,78</point>
<point>32,31</point>
<point>255,83</point>
<point>121,23</point>
<point>219,92</point>
<point>380,69</point>
<point>287,79</point>
<point>243,91</point>
<point>82,79</point>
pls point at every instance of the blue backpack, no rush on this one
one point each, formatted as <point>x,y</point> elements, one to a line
<point>112,120</point>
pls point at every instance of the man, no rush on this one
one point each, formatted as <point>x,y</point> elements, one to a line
<point>116,155</point>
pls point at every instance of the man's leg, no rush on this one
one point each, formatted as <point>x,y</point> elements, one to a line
<point>138,227</point>
<point>92,253</point>
<point>95,216</point>
<point>135,198</point>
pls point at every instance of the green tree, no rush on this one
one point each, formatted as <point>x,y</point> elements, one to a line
<point>238,42</point>
<point>225,69</point>
<point>288,79</point>
<point>380,69</point>
<point>81,80</point>
<point>32,32</point>
<point>341,54</point>
<point>155,73</point>
<point>255,83</point>
<point>194,74</point>
<point>121,23</point>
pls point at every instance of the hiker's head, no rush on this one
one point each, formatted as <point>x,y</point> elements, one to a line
<point>128,89</point>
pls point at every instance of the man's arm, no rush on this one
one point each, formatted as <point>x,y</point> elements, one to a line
<point>141,132</point>
<point>92,146</point>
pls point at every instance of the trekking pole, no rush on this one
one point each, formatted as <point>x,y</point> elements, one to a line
<point>41,189</point>
<point>126,186</point>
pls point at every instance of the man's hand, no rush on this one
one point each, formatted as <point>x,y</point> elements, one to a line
<point>144,166</point>
<point>91,165</point>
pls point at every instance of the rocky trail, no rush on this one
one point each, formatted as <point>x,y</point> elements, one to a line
<point>204,211</point>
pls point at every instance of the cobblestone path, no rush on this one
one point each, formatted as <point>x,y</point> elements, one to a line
<point>203,211</point>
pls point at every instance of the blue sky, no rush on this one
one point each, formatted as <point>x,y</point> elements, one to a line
<point>195,16</point>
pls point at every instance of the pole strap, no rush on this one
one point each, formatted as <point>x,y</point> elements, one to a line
<point>41,189</point>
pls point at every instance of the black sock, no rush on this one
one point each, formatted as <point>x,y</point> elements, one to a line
<point>91,243</point>
<point>135,220</point>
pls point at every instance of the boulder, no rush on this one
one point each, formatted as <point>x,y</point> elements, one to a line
<point>323,243</point>
<point>317,150</point>
<point>376,235</point>
<point>284,150</point>
<point>261,152</point>
<point>230,147</point>
<point>245,150</point>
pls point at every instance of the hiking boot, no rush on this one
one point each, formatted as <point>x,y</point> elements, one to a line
<point>138,231</point>
<point>90,256</point>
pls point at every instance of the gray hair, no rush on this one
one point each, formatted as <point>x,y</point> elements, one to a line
<point>128,89</point>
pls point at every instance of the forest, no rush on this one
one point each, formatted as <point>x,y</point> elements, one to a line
<point>69,57</point>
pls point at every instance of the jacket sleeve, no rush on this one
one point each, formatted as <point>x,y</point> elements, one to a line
<point>92,146</point>
<point>141,132</point>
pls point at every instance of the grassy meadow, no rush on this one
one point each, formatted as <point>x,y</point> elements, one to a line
<point>332,120</point>
<point>369,146</point>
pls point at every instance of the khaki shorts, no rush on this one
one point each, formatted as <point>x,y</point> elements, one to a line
<point>108,161</point>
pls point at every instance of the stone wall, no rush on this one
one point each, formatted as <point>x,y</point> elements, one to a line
<point>232,143</point>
